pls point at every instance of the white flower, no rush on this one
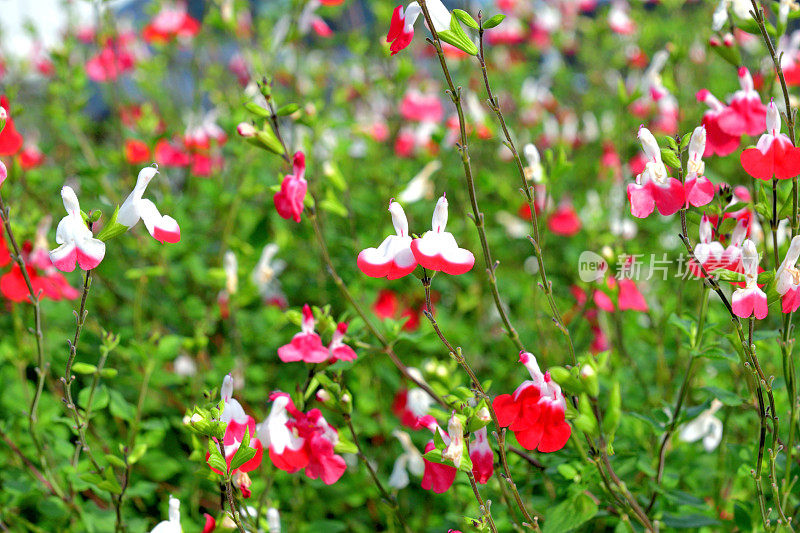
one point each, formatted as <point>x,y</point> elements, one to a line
<point>173,525</point>
<point>706,426</point>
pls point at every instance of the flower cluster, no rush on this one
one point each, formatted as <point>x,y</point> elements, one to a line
<point>298,440</point>
<point>307,345</point>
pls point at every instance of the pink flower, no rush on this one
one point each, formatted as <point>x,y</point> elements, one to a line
<point>535,411</point>
<point>163,228</point>
<point>750,300</point>
<point>289,200</point>
<point>629,297</point>
<point>401,27</point>
<point>699,189</point>
<point>297,440</point>
<point>77,244</point>
<point>393,258</point>
<point>438,250</point>
<point>653,187</point>
<point>421,107</point>
<point>305,346</point>
<point>718,141</point>
<point>168,155</point>
<point>619,20</point>
<point>787,278</point>
<point>709,253</point>
<point>482,457</point>
<point>113,60</point>
<point>338,349</point>
<point>745,115</point>
<point>30,156</point>
<point>774,155</point>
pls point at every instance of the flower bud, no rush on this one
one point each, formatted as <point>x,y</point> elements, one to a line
<point>727,40</point>
<point>245,129</point>
<point>714,41</point>
<point>589,378</point>
<point>3,118</point>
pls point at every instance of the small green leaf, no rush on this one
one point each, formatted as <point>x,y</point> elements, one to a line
<point>494,21</point>
<point>288,109</point>
<point>256,109</point>
<point>244,453</point>
<point>466,18</point>
<point>109,372</point>
<point>670,140</point>
<point>726,226</point>
<point>84,368</point>
<point>670,158</point>
<point>345,446</point>
<point>215,459</point>
<point>114,460</point>
<point>268,140</point>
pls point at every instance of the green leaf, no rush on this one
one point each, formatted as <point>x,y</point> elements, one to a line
<point>727,225</point>
<point>84,368</point>
<point>288,109</point>
<point>569,514</point>
<point>109,372</point>
<point>332,204</point>
<point>670,140</point>
<point>466,18</point>
<point>114,460</point>
<point>728,275</point>
<point>244,453</point>
<point>267,139</point>
<point>685,141</point>
<point>215,459</point>
<point>494,21</point>
<point>256,109</point>
<point>457,37</point>
<point>345,446</point>
<point>670,159</point>
<point>692,521</point>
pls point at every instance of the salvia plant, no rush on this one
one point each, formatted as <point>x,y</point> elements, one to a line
<point>444,266</point>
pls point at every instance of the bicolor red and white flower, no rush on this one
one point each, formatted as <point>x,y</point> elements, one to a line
<point>307,345</point>
<point>619,20</point>
<point>708,252</point>
<point>238,423</point>
<point>481,455</point>
<point>750,300</point>
<point>401,27</point>
<point>774,155</point>
<point>698,188</point>
<point>298,440</point>
<point>163,228</point>
<point>437,477</point>
<point>718,141</point>
<point>535,412</point>
<point>745,114</point>
<point>787,278</point>
<point>654,188</point>
<point>438,250</point>
<point>289,200</point>
<point>77,243</point>
<point>393,258</point>
<point>172,22</point>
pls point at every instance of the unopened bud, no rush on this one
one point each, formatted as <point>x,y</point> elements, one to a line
<point>727,40</point>
<point>323,396</point>
<point>483,415</point>
<point>714,41</point>
<point>3,118</point>
<point>245,129</point>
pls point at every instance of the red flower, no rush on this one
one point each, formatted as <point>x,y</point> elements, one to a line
<point>172,22</point>
<point>305,346</point>
<point>10,139</point>
<point>535,411</point>
<point>745,115</point>
<point>289,200</point>
<point>168,155</point>
<point>136,152</point>
<point>563,221</point>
